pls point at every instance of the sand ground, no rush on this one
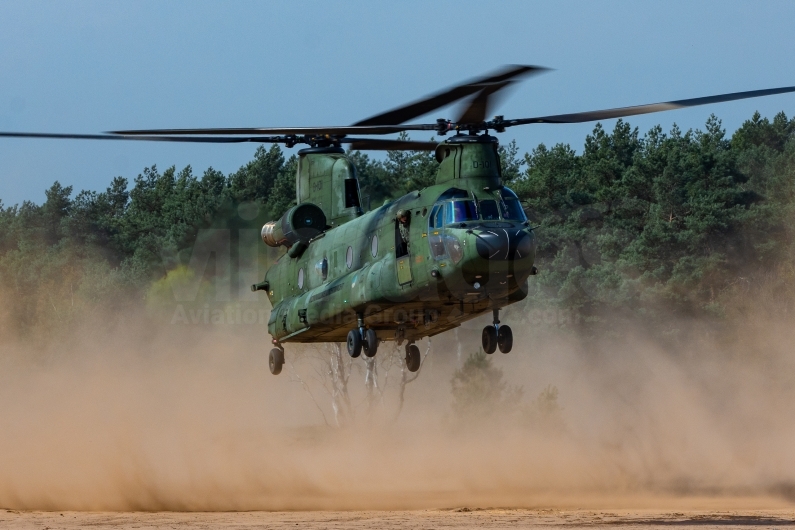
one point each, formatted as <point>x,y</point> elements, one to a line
<point>449,518</point>
<point>191,430</point>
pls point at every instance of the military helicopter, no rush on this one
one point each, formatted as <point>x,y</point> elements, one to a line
<point>416,266</point>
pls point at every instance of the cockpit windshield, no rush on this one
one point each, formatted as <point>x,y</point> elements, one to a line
<point>460,211</point>
<point>489,211</point>
<point>458,206</point>
<point>453,193</point>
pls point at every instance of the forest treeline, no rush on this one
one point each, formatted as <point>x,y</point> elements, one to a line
<point>633,227</point>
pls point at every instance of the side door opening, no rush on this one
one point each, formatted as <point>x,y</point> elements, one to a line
<point>402,246</point>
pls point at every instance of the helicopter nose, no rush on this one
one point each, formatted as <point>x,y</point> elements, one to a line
<point>500,244</point>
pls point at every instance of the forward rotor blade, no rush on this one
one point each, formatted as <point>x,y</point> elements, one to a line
<point>363,144</point>
<point>203,140</point>
<point>440,99</point>
<point>369,144</point>
<point>580,117</point>
<point>311,131</point>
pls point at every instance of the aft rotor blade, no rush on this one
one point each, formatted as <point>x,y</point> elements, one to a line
<point>440,99</point>
<point>580,117</point>
<point>299,131</point>
<point>203,139</point>
<point>481,104</point>
<point>369,144</point>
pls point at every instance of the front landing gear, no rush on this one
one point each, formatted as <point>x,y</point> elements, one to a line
<point>505,339</point>
<point>362,339</point>
<point>497,336</point>
<point>413,359</point>
<point>489,339</point>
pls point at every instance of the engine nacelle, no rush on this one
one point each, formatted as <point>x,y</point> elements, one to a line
<point>300,223</point>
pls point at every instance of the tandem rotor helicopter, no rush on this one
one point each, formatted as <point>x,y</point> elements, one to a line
<point>413,267</point>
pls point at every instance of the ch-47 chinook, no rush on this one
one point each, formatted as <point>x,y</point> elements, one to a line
<point>413,267</point>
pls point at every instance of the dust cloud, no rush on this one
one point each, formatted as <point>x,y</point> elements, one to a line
<point>154,416</point>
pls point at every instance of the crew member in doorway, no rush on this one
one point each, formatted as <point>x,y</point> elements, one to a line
<point>404,218</point>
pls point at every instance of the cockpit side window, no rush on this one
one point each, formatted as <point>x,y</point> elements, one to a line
<point>511,206</point>
<point>513,211</point>
<point>438,221</point>
<point>508,193</point>
<point>432,218</point>
<point>435,240</point>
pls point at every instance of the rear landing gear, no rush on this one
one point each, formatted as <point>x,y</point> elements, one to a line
<point>370,343</point>
<point>413,359</point>
<point>276,361</point>
<point>497,336</point>
<point>354,343</point>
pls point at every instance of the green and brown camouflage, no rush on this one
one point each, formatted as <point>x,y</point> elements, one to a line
<point>470,250</point>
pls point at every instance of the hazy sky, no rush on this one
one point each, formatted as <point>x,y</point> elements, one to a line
<point>95,66</point>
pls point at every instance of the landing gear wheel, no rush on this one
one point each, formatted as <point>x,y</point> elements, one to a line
<point>275,361</point>
<point>413,359</point>
<point>505,339</point>
<point>354,343</point>
<point>489,339</point>
<point>370,343</point>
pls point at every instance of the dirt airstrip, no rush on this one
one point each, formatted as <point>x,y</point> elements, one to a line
<point>184,428</point>
<point>452,518</point>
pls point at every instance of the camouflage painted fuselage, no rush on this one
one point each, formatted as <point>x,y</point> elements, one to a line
<point>451,269</point>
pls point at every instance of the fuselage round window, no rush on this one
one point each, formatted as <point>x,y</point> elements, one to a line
<point>301,278</point>
<point>322,268</point>
<point>374,246</point>
<point>349,257</point>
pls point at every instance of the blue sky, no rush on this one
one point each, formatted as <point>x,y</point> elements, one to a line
<point>93,66</point>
